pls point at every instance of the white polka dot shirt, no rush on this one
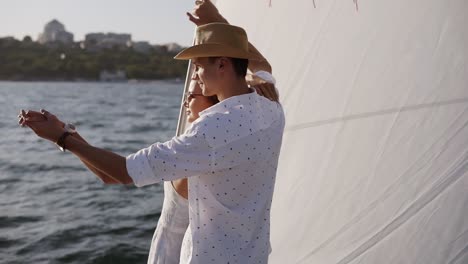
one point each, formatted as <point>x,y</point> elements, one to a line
<point>230,154</point>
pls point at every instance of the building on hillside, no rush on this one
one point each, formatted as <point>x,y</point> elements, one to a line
<point>8,42</point>
<point>54,31</point>
<point>107,41</point>
<point>173,47</point>
<point>142,47</point>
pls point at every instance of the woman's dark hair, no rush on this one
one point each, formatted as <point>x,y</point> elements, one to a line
<point>213,99</point>
<point>240,65</point>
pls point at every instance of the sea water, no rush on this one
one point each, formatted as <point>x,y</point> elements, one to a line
<point>52,209</point>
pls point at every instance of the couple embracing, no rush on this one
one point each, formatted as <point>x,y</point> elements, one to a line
<point>219,175</point>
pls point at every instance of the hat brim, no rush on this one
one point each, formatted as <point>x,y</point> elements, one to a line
<point>215,50</point>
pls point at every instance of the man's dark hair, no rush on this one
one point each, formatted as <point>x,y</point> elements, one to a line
<point>240,65</point>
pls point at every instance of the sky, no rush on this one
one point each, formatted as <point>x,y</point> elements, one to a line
<point>156,21</point>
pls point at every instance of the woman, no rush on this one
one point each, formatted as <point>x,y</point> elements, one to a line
<point>174,220</point>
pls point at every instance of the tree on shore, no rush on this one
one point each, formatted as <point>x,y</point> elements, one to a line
<point>28,60</point>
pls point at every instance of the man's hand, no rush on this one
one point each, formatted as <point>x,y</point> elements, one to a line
<point>48,126</point>
<point>31,116</point>
<point>205,12</point>
<point>43,123</point>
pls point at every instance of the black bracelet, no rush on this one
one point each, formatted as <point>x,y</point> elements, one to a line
<point>61,140</point>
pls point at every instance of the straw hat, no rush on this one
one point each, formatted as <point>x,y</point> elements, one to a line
<point>219,40</point>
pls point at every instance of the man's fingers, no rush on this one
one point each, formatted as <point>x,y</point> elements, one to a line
<point>36,119</point>
<point>33,116</point>
<point>48,115</point>
<point>192,18</point>
<point>32,112</point>
<point>26,123</point>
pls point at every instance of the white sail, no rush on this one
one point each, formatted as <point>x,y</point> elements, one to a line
<point>373,166</point>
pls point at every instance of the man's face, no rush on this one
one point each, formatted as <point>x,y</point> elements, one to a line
<point>206,75</point>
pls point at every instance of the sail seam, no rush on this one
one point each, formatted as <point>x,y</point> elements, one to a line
<point>372,114</point>
<point>457,164</point>
<point>410,212</point>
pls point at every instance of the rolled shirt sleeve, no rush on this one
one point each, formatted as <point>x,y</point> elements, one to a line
<point>180,157</point>
<point>139,169</point>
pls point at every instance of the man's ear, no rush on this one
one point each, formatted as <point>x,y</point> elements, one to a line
<point>222,63</point>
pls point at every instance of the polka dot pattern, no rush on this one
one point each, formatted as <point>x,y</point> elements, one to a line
<point>230,154</point>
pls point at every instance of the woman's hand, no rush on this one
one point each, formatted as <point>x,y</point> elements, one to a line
<point>205,12</point>
<point>44,124</point>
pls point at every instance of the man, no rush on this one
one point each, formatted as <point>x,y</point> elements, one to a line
<point>230,154</point>
<point>205,12</point>
<point>174,221</point>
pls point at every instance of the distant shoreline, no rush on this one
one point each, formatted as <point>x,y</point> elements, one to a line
<point>171,80</point>
<point>31,61</point>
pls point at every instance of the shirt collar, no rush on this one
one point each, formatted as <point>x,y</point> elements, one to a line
<point>226,104</point>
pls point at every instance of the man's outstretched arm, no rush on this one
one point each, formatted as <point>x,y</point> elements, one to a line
<point>108,166</point>
<point>101,175</point>
<point>105,161</point>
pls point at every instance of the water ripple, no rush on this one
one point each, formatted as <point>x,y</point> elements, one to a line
<point>15,221</point>
<point>54,210</point>
<point>60,238</point>
<point>34,168</point>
